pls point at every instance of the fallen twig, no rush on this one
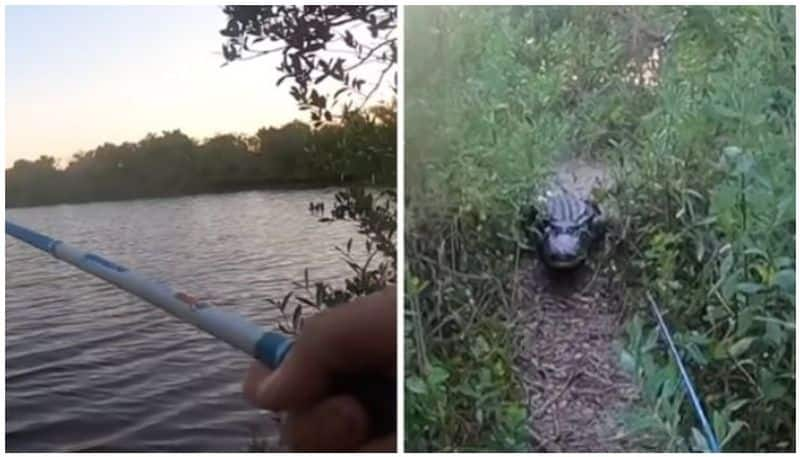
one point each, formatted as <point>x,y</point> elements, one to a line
<point>555,398</point>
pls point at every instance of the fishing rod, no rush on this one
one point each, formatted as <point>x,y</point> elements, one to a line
<point>711,438</point>
<point>268,347</point>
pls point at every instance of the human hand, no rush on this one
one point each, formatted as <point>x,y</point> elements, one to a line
<point>338,383</point>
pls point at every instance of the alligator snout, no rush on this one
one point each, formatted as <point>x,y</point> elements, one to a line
<point>563,250</point>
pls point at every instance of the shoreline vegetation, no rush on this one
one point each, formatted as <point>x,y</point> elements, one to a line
<point>359,150</point>
<point>240,187</point>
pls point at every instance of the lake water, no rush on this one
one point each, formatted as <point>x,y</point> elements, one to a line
<point>89,367</point>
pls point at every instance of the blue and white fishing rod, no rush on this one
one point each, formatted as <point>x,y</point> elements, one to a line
<point>268,347</point>
<point>711,438</point>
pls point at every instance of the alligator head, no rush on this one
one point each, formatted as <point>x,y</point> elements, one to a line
<point>570,228</point>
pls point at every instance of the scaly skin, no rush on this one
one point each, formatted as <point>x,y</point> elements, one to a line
<point>564,243</point>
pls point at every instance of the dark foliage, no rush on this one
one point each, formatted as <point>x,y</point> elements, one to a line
<point>174,164</point>
<point>308,38</point>
<point>376,216</point>
<point>339,44</point>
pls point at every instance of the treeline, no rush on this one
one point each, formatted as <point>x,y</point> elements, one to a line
<point>361,149</point>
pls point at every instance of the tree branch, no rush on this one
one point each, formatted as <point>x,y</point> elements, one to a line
<point>369,54</point>
<point>377,85</point>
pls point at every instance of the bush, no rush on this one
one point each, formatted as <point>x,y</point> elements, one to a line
<point>709,195</point>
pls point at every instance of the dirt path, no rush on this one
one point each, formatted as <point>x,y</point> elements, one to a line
<point>574,383</point>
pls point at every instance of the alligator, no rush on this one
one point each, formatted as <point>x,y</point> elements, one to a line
<point>568,230</point>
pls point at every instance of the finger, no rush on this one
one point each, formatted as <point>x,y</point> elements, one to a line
<point>300,375</point>
<point>386,443</point>
<point>336,424</point>
<point>358,337</point>
<point>256,375</point>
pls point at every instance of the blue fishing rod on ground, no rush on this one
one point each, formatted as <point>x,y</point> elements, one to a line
<point>694,399</point>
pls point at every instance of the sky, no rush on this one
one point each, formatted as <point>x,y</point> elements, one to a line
<point>80,76</point>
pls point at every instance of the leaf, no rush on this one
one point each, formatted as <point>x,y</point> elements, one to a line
<point>307,301</point>
<point>731,151</point>
<point>744,320</point>
<point>348,39</point>
<point>784,262</point>
<point>700,249</point>
<point>788,324</point>
<point>296,317</point>
<point>699,442</point>
<point>724,111</point>
<point>416,385</point>
<point>774,332</point>
<point>627,361</point>
<point>719,423</point>
<point>285,301</point>
<point>749,288</point>
<point>728,287</point>
<point>774,390</point>
<point>719,351</point>
<point>437,375</point>
<point>736,405</point>
<point>785,280</point>
<point>725,265</point>
<point>741,346</point>
<point>696,354</point>
<point>733,429</point>
<point>756,252</point>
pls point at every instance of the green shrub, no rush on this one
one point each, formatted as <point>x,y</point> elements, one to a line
<point>710,196</point>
